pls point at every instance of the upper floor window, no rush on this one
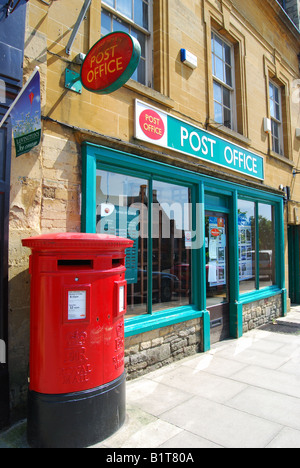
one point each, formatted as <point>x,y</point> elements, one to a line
<point>133,17</point>
<point>276,118</point>
<point>223,81</point>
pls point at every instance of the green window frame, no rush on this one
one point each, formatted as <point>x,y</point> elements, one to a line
<point>260,268</point>
<point>96,157</point>
<point>259,293</point>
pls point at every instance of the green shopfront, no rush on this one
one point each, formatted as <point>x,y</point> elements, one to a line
<point>208,256</point>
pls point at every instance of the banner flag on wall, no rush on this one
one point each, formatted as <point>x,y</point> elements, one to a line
<point>26,117</point>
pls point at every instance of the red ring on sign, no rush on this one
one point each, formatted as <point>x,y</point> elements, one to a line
<point>152,124</point>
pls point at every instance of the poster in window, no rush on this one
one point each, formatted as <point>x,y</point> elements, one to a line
<point>246,254</point>
<point>217,249</point>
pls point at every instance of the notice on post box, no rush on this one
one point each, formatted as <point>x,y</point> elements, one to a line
<point>76,305</point>
<point>121,299</point>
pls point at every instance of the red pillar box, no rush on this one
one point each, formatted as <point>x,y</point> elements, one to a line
<point>76,393</point>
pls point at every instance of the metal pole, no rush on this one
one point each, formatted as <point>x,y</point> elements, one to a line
<point>81,16</point>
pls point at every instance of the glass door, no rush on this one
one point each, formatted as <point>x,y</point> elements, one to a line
<point>217,274</point>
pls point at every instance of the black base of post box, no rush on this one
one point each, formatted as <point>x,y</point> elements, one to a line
<point>76,420</point>
<point>4,396</point>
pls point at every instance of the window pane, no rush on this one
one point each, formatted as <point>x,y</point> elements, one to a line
<point>275,129</point>
<point>275,145</point>
<point>113,23</point>
<point>141,13</point>
<point>140,73</point>
<point>142,40</point>
<point>227,54</point>
<point>171,257</point>
<point>227,117</point>
<point>119,25</point>
<point>125,7</point>
<point>110,3</point>
<point>122,211</point>
<point>266,246</point>
<point>218,47</point>
<point>228,72</point>
<point>218,113</point>
<point>217,92</point>
<point>219,70</point>
<point>272,108</point>
<point>226,98</point>
<point>247,257</point>
<point>106,27</point>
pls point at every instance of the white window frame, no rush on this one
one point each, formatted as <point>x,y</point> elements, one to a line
<point>147,33</point>
<point>274,119</point>
<point>232,88</point>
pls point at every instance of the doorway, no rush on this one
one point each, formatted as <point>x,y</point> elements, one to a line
<point>217,274</point>
<point>294,263</point>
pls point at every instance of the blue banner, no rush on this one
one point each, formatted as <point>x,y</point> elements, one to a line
<point>26,117</point>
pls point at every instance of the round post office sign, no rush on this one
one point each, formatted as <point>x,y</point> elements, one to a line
<point>110,63</point>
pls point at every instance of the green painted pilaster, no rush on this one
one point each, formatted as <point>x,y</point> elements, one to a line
<point>236,309</point>
<point>206,331</point>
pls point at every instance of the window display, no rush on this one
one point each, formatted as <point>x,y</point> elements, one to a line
<point>123,209</point>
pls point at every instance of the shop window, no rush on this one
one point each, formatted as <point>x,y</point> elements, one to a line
<point>158,267</point>
<point>223,81</point>
<point>171,254</point>
<point>121,211</point>
<point>256,243</point>
<point>247,246</point>
<point>266,232</point>
<point>134,18</point>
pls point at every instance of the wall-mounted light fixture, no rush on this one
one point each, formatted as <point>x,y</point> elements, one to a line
<point>297,132</point>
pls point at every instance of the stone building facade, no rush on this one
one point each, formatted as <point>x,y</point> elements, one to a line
<point>247,69</point>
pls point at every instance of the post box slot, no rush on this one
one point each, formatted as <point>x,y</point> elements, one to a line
<point>117,262</point>
<point>75,264</point>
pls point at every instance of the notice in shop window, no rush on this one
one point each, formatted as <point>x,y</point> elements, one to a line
<point>217,246</point>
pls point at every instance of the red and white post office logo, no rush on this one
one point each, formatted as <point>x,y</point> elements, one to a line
<point>151,124</point>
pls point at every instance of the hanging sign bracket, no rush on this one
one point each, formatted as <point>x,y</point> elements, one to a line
<point>81,16</point>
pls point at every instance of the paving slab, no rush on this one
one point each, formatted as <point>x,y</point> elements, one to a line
<point>242,393</point>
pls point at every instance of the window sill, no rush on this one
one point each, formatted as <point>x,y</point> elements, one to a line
<point>150,93</point>
<point>145,323</point>
<point>281,158</point>
<point>230,133</point>
<point>259,295</point>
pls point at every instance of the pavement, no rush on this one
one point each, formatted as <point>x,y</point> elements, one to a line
<point>241,394</point>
